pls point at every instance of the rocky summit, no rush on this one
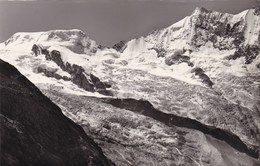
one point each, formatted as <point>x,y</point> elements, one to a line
<point>187,94</point>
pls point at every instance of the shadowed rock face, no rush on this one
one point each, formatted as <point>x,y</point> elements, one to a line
<point>51,73</point>
<point>120,46</point>
<point>146,108</point>
<point>35,132</point>
<point>257,11</point>
<point>216,25</point>
<point>250,52</point>
<point>205,79</point>
<point>177,59</point>
<point>79,77</point>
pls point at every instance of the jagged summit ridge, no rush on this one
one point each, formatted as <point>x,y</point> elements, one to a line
<point>196,30</point>
<point>223,30</point>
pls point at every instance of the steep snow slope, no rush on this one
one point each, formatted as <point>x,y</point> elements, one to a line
<point>253,27</point>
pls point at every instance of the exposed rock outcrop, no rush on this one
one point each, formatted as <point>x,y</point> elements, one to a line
<point>80,42</point>
<point>160,51</point>
<point>51,73</point>
<point>250,52</point>
<point>177,57</point>
<point>79,77</point>
<point>36,50</point>
<point>35,132</point>
<point>120,46</point>
<point>217,28</point>
<point>257,11</point>
<point>205,79</point>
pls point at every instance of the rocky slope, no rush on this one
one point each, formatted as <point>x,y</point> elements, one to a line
<point>35,132</point>
<point>202,69</point>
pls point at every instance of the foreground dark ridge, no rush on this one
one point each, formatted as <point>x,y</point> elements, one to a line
<point>35,132</point>
<point>146,108</point>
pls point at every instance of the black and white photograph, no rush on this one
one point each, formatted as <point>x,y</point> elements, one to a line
<point>130,82</point>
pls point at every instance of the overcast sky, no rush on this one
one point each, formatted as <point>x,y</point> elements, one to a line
<point>106,21</point>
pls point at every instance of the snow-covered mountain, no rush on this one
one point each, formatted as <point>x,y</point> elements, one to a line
<point>203,72</point>
<point>222,30</point>
<point>75,40</point>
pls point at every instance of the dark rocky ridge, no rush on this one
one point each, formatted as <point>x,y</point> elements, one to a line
<point>205,79</point>
<point>146,108</point>
<point>250,52</point>
<point>120,46</point>
<point>161,52</point>
<point>178,57</point>
<point>35,132</point>
<point>210,23</point>
<point>79,77</point>
<point>257,10</point>
<point>206,26</point>
<point>51,73</point>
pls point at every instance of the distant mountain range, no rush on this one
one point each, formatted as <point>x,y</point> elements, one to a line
<point>187,94</point>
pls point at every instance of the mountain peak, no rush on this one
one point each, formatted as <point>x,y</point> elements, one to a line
<point>199,10</point>
<point>61,35</point>
<point>74,39</point>
<point>257,10</point>
<point>65,34</point>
